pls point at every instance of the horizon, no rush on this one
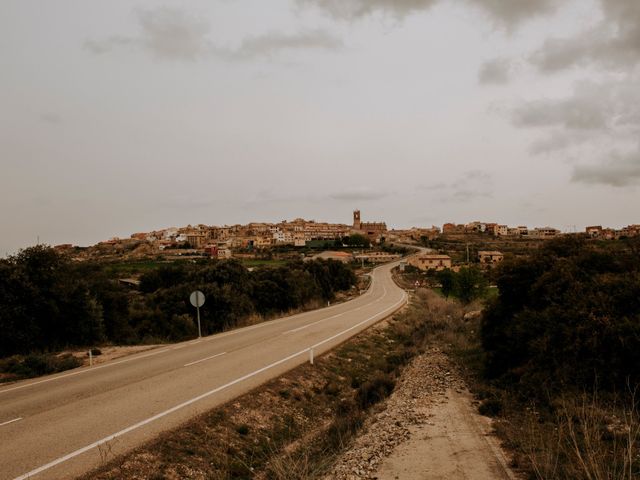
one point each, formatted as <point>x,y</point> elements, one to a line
<point>123,117</point>
<point>128,235</point>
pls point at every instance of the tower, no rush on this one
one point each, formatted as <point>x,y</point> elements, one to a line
<point>356,219</point>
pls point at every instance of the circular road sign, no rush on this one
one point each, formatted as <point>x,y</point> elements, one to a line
<point>197,298</point>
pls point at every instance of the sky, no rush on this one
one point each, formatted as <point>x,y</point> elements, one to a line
<point>126,116</point>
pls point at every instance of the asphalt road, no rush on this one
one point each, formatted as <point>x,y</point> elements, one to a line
<point>63,425</point>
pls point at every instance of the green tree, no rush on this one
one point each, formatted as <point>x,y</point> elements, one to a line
<point>447,282</point>
<point>568,315</point>
<point>469,284</point>
<point>358,240</point>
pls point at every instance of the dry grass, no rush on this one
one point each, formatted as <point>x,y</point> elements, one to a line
<point>577,437</point>
<point>293,426</point>
<point>585,439</point>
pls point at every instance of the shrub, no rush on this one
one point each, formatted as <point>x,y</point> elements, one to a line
<point>569,315</point>
<point>375,390</point>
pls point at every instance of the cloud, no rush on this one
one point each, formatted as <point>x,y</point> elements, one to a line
<point>507,13</point>
<point>272,43</point>
<point>465,195</point>
<point>513,12</point>
<point>572,113</point>
<point>359,194</point>
<point>593,113</point>
<point>477,176</point>
<point>167,33</point>
<point>559,139</point>
<point>353,9</point>
<point>471,185</point>
<point>174,34</point>
<point>613,43</point>
<point>622,170</point>
<point>494,72</point>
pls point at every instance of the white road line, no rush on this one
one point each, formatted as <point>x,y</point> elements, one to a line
<point>204,359</point>
<point>312,324</point>
<point>86,370</point>
<point>384,293</point>
<point>286,319</point>
<point>142,423</point>
<point>10,421</point>
<point>392,307</point>
<point>206,339</point>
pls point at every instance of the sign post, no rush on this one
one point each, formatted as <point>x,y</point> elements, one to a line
<point>197,300</point>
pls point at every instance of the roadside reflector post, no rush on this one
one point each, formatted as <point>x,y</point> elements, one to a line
<point>90,358</point>
<point>311,356</point>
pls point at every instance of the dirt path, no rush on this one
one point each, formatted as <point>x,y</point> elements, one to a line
<point>428,430</point>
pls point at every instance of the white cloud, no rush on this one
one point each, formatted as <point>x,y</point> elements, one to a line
<point>359,194</point>
<point>495,72</point>
<point>274,42</point>
<point>621,170</point>
<point>613,43</point>
<point>506,13</point>
<point>174,34</point>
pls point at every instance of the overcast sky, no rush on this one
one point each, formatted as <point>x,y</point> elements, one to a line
<point>121,116</point>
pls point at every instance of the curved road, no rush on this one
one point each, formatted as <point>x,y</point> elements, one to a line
<point>63,425</point>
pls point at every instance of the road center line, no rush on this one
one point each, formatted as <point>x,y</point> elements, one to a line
<point>212,337</point>
<point>384,293</point>
<point>193,400</point>
<point>312,324</point>
<point>10,421</point>
<point>204,359</point>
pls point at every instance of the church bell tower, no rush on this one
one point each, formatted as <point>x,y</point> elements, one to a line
<point>356,219</point>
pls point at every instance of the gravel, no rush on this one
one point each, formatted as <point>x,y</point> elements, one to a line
<point>423,383</point>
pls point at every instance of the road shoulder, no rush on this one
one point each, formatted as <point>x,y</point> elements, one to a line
<point>427,429</point>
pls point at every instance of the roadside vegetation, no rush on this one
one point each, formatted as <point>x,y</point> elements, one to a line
<point>562,346</point>
<point>49,303</point>
<point>555,355</point>
<point>555,358</point>
<point>295,426</point>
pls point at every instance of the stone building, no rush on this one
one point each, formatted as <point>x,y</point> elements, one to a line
<point>371,229</point>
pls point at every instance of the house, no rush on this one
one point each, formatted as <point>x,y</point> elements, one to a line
<point>448,228</point>
<point>544,232</point>
<point>490,257</point>
<point>430,261</point>
<point>196,240</point>
<point>594,231</point>
<point>377,257</point>
<point>501,230</point>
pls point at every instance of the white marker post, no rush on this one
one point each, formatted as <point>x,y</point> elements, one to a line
<point>90,358</point>
<point>311,356</point>
<point>197,300</point>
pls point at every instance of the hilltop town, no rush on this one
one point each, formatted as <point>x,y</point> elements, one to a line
<point>489,241</point>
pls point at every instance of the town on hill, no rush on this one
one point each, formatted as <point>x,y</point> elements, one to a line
<point>228,241</point>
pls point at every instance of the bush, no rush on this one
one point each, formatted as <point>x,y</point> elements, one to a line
<point>38,364</point>
<point>375,390</point>
<point>567,316</point>
<point>491,407</point>
<point>242,429</point>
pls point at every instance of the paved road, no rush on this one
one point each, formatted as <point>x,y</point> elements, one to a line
<point>63,425</point>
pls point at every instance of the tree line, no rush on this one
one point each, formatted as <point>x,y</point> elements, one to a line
<point>567,317</point>
<point>48,302</point>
